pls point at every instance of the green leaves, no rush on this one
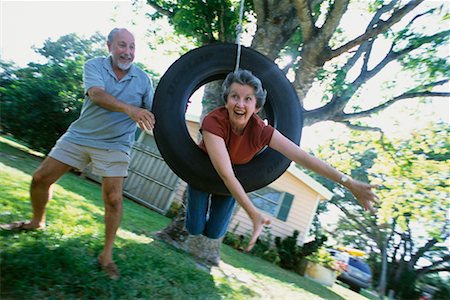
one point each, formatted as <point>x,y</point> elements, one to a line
<point>204,21</point>
<point>40,101</point>
<point>413,178</point>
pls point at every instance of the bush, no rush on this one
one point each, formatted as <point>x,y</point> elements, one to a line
<point>284,252</point>
<point>264,247</point>
<point>39,109</point>
<point>40,101</point>
<point>292,255</point>
<point>173,210</point>
<point>234,240</point>
<point>324,258</point>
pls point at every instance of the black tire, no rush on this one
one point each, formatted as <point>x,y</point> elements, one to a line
<point>195,69</point>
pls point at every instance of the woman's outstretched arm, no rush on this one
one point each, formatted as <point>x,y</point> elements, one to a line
<point>362,191</point>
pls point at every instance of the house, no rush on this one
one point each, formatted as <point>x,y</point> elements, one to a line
<point>290,201</point>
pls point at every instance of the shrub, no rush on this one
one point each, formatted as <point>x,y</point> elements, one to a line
<point>324,258</point>
<point>234,240</point>
<point>264,247</point>
<point>292,255</point>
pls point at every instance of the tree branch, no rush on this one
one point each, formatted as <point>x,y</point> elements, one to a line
<point>305,18</point>
<point>393,55</point>
<point>432,268</point>
<point>407,95</point>
<point>333,19</point>
<point>415,258</point>
<point>377,28</point>
<point>361,127</point>
<point>352,217</point>
<point>365,46</point>
<point>160,9</point>
<point>338,103</point>
<point>341,100</point>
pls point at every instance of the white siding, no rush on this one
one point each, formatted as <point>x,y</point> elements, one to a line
<point>300,215</point>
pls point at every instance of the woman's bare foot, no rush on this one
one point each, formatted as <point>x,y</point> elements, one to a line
<point>258,225</point>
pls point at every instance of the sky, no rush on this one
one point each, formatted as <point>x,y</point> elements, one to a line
<point>29,23</point>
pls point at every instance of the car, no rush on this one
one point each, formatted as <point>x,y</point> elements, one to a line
<point>354,271</point>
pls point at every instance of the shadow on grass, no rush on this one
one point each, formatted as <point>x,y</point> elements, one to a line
<point>39,265</point>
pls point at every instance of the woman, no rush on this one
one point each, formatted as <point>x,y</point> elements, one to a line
<point>234,134</point>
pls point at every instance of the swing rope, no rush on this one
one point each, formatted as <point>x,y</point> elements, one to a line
<point>238,36</point>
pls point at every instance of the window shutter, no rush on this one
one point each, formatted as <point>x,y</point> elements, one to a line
<point>285,206</point>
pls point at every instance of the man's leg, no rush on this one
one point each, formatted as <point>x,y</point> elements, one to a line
<point>40,191</point>
<point>112,197</point>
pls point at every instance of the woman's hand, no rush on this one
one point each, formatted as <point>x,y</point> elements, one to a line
<point>363,193</point>
<point>259,221</point>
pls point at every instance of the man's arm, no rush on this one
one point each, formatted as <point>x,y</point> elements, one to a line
<point>144,118</point>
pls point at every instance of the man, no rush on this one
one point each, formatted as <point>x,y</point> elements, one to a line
<point>118,95</point>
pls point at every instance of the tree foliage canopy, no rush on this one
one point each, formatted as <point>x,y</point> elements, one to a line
<point>319,46</point>
<point>412,224</point>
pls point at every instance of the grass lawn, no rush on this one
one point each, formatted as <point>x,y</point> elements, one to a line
<point>60,262</point>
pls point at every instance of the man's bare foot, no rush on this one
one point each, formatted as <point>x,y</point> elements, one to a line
<point>109,267</point>
<point>258,226</point>
<point>22,226</point>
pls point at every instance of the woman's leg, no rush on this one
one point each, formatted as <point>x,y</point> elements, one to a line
<point>196,210</point>
<point>220,214</point>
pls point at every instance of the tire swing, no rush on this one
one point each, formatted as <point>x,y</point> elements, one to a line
<point>197,68</point>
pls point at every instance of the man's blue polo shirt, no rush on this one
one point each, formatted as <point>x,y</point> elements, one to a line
<point>101,128</point>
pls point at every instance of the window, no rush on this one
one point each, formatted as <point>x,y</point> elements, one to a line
<point>273,202</point>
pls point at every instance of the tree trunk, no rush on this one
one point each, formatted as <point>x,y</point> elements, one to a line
<point>205,249</point>
<point>383,277</point>
<point>212,97</point>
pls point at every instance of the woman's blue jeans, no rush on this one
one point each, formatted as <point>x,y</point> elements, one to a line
<point>207,215</point>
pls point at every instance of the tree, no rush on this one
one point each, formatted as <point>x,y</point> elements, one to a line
<point>309,33</point>
<point>41,100</point>
<point>413,226</point>
<point>308,40</point>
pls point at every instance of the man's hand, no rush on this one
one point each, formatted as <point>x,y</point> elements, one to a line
<point>144,118</point>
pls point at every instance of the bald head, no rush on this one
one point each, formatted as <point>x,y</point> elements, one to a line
<point>114,33</point>
<point>121,47</point>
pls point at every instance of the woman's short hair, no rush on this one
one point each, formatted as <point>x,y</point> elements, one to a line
<point>245,77</point>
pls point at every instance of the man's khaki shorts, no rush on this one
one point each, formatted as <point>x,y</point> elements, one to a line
<point>105,163</point>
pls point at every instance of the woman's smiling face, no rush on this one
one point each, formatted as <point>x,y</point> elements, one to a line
<point>241,105</point>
